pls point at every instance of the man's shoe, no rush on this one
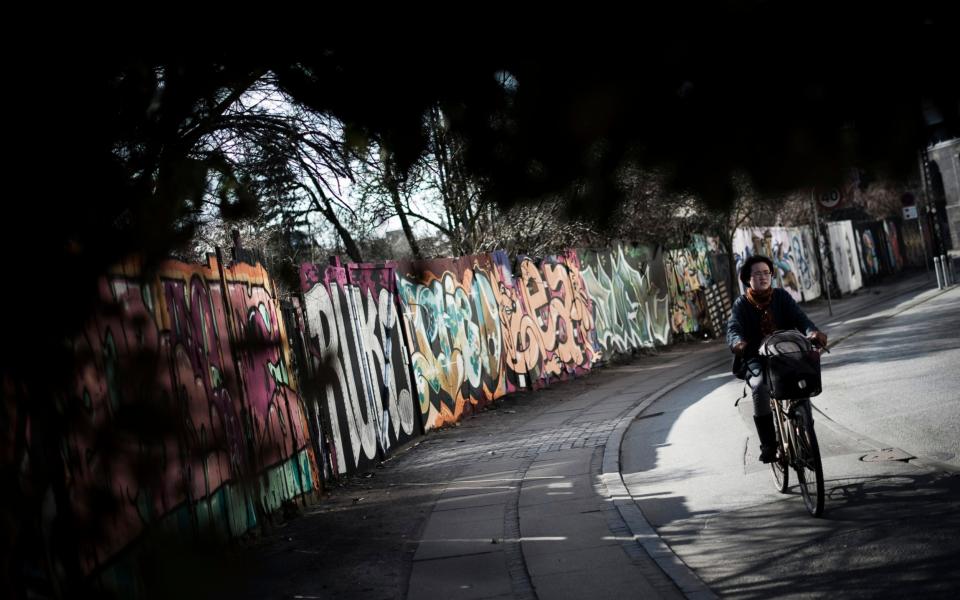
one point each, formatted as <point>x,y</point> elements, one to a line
<point>768,454</point>
<point>768,438</point>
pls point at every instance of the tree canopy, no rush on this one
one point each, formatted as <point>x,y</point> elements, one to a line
<point>789,96</point>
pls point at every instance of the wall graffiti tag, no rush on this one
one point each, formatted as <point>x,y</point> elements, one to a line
<point>359,361</point>
<point>452,318</point>
<point>793,254</point>
<point>688,277</point>
<point>843,253</point>
<point>627,286</point>
<point>196,356</point>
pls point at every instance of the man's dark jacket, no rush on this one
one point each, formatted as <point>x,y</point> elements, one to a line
<point>744,325</point>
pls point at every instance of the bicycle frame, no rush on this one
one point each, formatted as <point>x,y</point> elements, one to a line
<point>797,443</point>
<point>785,411</point>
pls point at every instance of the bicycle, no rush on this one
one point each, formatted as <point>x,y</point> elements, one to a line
<point>793,376</point>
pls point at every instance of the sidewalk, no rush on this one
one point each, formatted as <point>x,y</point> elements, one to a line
<point>521,501</point>
<point>867,296</point>
<point>528,515</point>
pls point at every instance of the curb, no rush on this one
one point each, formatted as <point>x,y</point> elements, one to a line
<point>643,533</point>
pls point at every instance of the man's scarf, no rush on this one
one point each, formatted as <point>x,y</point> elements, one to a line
<point>761,301</point>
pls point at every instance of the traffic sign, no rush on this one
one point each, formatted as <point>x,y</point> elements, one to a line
<point>830,198</point>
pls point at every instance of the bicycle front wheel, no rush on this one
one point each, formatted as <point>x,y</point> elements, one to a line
<point>807,463</point>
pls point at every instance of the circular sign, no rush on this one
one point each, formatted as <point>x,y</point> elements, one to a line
<point>829,198</point>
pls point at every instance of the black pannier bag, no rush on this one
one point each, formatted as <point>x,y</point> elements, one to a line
<point>793,365</point>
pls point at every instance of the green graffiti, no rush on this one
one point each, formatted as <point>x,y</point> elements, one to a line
<point>279,372</point>
<point>146,292</point>
<point>110,368</point>
<point>144,506</point>
<point>485,307</point>
<point>265,314</point>
<point>426,371</point>
<point>205,328</point>
<point>216,378</point>
<point>628,309</point>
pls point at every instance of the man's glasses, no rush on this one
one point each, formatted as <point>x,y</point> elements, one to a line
<point>760,274</point>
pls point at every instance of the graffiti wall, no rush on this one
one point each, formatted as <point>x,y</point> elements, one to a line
<point>688,276</point>
<point>843,254</point>
<point>913,242</point>
<point>200,402</point>
<point>720,263</point>
<point>579,306</point>
<point>869,261</point>
<point>809,271</point>
<point>359,368</point>
<point>875,255</point>
<point>183,390</point>
<point>628,288</point>
<point>451,316</point>
<point>555,295</point>
<point>895,258</point>
<point>384,349</point>
<point>523,357</point>
<point>792,251</point>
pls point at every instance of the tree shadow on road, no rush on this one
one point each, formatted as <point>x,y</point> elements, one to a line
<point>888,536</point>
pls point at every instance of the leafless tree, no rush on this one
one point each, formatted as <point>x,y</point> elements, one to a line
<point>292,163</point>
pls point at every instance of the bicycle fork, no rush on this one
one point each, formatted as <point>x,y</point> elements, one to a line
<point>788,423</point>
<point>785,430</point>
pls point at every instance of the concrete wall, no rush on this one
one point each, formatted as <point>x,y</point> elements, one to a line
<point>947,157</point>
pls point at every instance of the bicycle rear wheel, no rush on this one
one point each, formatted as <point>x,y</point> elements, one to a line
<point>807,462</point>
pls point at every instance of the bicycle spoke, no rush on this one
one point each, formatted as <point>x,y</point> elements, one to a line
<point>807,464</point>
<point>780,469</point>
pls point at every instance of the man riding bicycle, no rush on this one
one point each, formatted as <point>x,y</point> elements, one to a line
<point>756,314</point>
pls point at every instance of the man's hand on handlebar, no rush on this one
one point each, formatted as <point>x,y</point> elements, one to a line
<point>739,347</point>
<point>819,338</point>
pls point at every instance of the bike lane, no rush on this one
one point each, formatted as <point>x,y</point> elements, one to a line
<point>689,462</point>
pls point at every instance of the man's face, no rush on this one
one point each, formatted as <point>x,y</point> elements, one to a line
<point>760,277</point>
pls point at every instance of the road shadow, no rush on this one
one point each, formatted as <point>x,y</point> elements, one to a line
<point>881,537</point>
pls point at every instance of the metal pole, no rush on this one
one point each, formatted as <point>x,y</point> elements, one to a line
<point>816,233</point>
<point>923,242</point>
<point>936,267</point>
<point>945,266</point>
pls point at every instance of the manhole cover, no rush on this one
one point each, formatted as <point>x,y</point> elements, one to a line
<point>887,454</point>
